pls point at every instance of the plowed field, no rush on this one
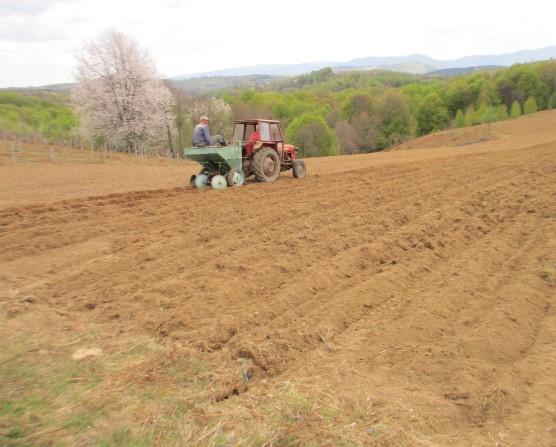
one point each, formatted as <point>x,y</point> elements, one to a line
<point>402,298</point>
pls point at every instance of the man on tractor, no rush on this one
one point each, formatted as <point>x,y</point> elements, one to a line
<point>201,133</point>
<point>253,139</point>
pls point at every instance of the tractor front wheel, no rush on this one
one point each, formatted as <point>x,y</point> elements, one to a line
<point>266,165</point>
<point>299,170</point>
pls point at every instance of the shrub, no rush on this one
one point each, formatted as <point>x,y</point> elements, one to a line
<point>502,112</point>
<point>530,105</point>
<point>312,135</point>
<point>460,119</point>
<point>515,110</point>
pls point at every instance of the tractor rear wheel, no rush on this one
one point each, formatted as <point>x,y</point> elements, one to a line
<point>266,165</point>
<point>299,170</point>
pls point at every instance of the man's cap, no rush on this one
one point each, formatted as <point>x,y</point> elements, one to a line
<point>204,118</point>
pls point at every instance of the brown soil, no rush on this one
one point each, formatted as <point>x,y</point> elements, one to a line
<point>411,292</point>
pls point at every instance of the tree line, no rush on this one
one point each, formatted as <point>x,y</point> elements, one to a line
<point>327,113</point>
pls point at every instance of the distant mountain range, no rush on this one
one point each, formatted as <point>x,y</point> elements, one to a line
<point>205,84</point>
<point>255,76</point>
<point>413,63</point>
<point>461,70</point>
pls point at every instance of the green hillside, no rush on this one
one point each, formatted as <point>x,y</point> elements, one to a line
<point>365,111</point>
<point>323,112</point>
<point>41,114</point>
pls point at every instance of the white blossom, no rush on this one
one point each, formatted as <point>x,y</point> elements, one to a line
<point>119,95</point>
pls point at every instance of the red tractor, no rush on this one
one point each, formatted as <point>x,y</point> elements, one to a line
<point>264,152</point>
<point>257,149</point>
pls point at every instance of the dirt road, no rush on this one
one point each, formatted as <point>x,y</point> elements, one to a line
<point>402,298</point>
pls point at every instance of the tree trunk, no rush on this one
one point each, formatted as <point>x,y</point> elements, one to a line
<point>170,145</point>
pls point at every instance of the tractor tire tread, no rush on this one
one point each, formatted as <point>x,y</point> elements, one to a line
<point>299,169</point>
<point>258,160</point>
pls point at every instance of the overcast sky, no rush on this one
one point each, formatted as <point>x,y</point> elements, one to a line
<point>39,38</point>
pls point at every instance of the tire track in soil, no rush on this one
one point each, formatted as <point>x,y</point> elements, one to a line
<point>430,280</point>
<point>86,279</point>
<point>476,357</point>
<point>215,251</point>
<point>333,318</point>
<point>290,348</point>
<point>309,304</point>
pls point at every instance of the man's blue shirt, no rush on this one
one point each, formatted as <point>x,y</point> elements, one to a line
<point>201,135</point>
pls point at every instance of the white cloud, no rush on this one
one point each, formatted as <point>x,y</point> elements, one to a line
<point>192,36</point>
<point>28,29</point>
<point>25,7</point>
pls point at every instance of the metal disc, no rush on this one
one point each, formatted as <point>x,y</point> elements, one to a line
<point>201,181</point>
<point>219,182</point>
<point>238,178</point>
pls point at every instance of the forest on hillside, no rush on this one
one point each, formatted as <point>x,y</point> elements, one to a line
<point>323,112</point>
<point>44,115</point>
<point>364,111</point>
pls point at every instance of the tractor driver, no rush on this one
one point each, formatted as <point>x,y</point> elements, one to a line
<point>253,138</point>
<point>201,133</point>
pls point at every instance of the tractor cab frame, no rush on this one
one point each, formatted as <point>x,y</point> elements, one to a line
<point>270,133</point>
